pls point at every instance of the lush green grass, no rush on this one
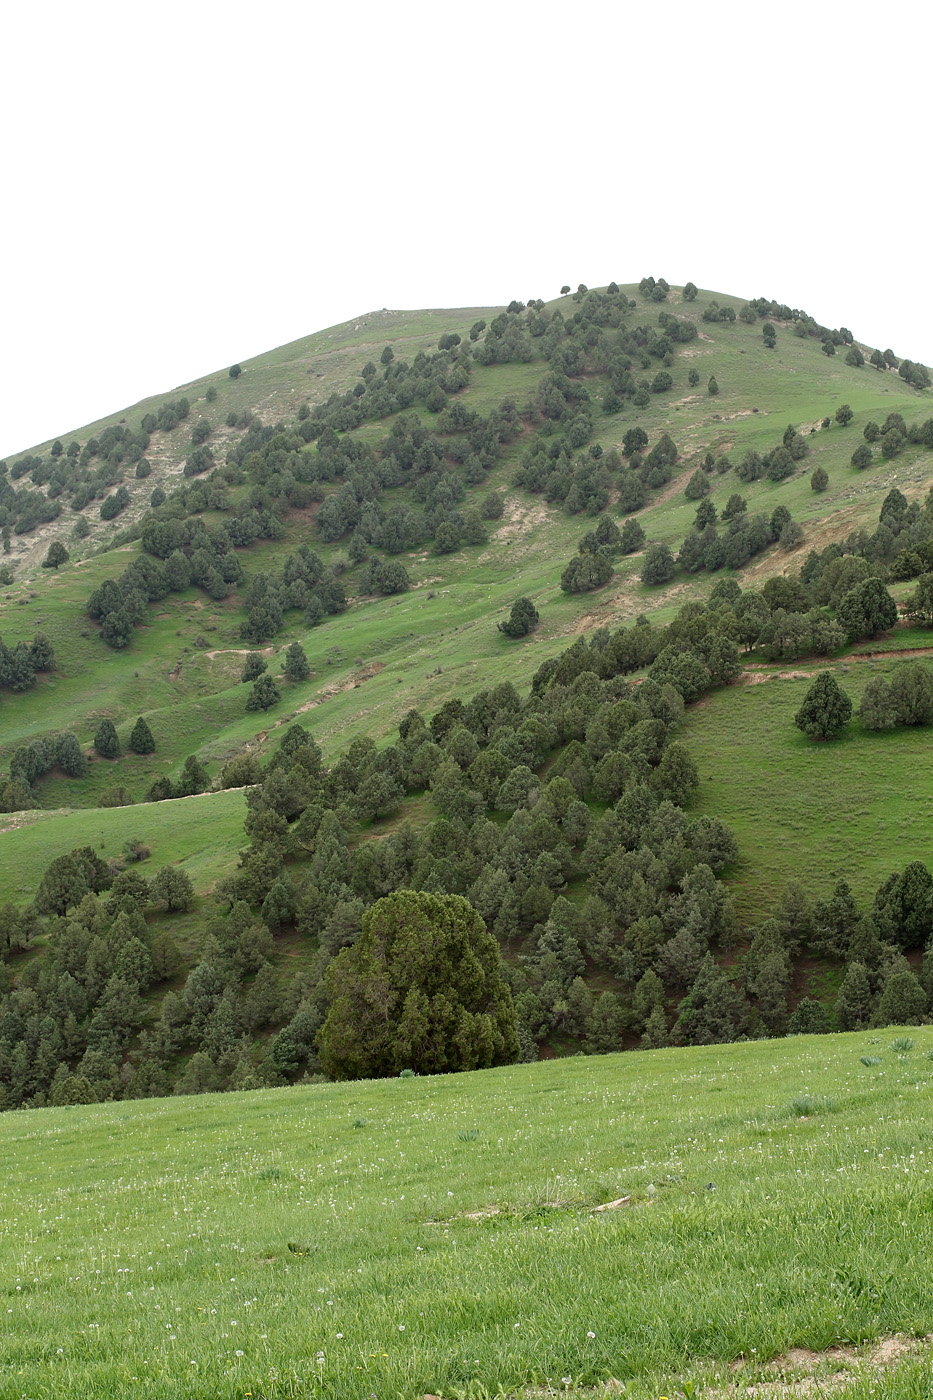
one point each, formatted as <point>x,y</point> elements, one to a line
<point>857,807</point>
<point>443,1234</point>
<point>201,834</point>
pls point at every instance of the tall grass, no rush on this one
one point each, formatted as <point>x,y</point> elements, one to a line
<point>357,1239</point>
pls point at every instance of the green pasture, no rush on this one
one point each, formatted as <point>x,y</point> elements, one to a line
<point>201,834</point>
<point>857,807</point>
<point>440,1236</point>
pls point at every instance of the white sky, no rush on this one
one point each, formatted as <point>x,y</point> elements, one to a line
<point>185,185</point>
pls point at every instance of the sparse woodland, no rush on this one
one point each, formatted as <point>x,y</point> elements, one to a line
<point>549,823</point>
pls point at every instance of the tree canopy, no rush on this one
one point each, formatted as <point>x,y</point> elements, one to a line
<point>422,989</point>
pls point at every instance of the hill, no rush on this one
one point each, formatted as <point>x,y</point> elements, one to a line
<point>699,1223</point>
<point>366,505</point>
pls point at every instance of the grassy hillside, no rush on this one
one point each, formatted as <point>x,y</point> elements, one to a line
<point>442,1236</point>
<point>816,813</point>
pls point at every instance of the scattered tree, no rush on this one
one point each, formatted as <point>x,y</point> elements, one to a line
<point>141,740</point>
<point>264,694</point>
<point>106,739</point>
<point>56,556</point>
<point>522,619</point>
<point>297,667</point>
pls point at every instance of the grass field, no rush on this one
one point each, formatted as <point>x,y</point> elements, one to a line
<point>439,1235</point>
<point>201,834</point>
<point>858,807</point>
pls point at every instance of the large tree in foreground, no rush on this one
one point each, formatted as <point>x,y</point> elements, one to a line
<point>421,988</point>
<point>826,709</point>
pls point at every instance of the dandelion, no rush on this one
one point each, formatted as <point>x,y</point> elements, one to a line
<point>239,1353</point>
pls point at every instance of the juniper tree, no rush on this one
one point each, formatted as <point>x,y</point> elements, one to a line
<point>173,888</point>
<point>106,739</point>
<point>141,740</point>
<point>713,1011</point>
<point>810,1018</point>
<point>903,1001</point>
<point>522,619</point>
<point>254,667</point>
<point>264,694</point>
<point>826,709</point>
<point>422,989</point>
<point>296,663</point>
<point>854,1002</point>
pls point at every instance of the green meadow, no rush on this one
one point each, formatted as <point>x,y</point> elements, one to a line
<point>201,834</point>
<point>441,1235</point>
<point>857,807</point>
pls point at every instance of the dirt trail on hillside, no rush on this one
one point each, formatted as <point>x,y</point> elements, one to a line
<point>757,672</point>
<point>356,678</point>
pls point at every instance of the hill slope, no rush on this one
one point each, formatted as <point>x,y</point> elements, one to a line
<point>478,451</point>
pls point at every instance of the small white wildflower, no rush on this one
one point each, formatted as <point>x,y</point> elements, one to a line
<point>339,1336</point>
<point>401,1327</point>
<point>239,1353</point>
<point>591,1335</point>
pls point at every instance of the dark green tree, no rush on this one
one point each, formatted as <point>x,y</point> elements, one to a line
<point>713,1012</point>
<point>810,1018</point>
<point>264,694</point>
<point>659,566</point>
<point>106,739</point>
<point>633,536</point>
<point>698,486</point>
<point>522,619</point>
<point>903,1001</point>
<point>254,667</point>
<point>844,415</point>
<point>141,740</point>
<point>421,989</point>
<point>819,480</point>
<point>912,693</point>
<point>854,1002</point>
<point>63,885</point>
<point>826,709</point>
<point>877,708</point>
<point>57,555</point>
<point>296,663</point>
<point>712,387</point>
<point>867,610</point>
<point>69,756</point>
<point>235,371</point>
<point>173,888</point>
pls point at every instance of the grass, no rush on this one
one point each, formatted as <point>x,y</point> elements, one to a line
<point>857,807</point>
<point>438,1235</point>
<point>201,834</point>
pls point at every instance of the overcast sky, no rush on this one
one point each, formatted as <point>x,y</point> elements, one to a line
<point>193,184</point>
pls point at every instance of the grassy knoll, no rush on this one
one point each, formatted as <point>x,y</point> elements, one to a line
<point>858,807</point>
<point>439,1236</point>
<point>201,834</point>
